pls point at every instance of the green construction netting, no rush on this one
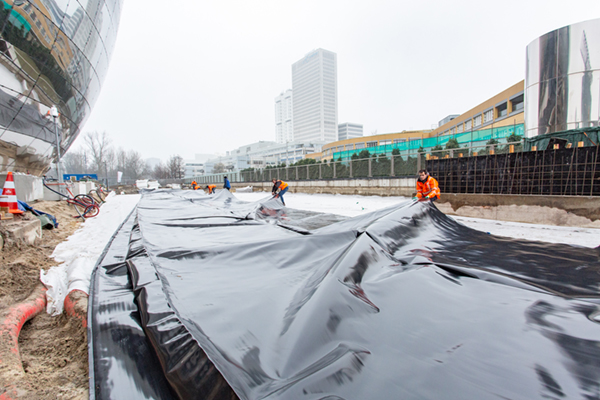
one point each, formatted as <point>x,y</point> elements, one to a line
<point>476,137</point>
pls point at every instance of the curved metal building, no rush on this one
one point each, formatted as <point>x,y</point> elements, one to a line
<point>52,53</point>
<point>562,83</point>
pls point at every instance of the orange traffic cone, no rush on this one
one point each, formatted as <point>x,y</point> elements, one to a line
<point>10,192</point>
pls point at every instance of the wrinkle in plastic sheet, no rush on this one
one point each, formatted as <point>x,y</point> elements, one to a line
<point>399,303</point>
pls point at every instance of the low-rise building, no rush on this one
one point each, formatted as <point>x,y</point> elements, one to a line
<point>504,109</point>
<point>262,154</point>
<point>344,149</point>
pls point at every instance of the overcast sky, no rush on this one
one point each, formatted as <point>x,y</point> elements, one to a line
<point>194,76</point>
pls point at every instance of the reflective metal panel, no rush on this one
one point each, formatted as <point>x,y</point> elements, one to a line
<point>562,87</point>
<point>52,52</point>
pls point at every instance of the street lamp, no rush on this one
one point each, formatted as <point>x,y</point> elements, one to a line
<point>54,114</point>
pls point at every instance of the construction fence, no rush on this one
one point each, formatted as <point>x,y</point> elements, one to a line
<point>407,163</point>
<point>487,169</point>
<point>554,172</point>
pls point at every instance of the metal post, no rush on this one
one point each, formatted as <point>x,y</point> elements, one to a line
<point>334,174</point>
<point>54,113</point>
<point>59,175</point>
<point>370,174</point>
<point>320,174</point>
<point>350,164</point>
<point>392,166</point>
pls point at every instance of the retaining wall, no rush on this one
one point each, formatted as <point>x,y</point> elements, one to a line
<point>366,187</point>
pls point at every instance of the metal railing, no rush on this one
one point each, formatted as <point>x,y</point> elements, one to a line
<point>501,168</point>
<point>407,163</point>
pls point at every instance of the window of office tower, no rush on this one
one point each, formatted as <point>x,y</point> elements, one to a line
<point>477,120</point>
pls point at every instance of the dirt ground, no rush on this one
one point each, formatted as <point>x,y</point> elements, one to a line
<point>53,349</point>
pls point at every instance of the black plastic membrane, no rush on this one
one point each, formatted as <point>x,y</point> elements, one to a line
<point>208,297</point>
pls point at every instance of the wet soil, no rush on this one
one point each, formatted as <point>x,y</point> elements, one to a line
<point>53,350</point>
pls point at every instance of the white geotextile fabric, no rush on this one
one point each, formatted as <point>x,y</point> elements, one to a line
<point>79,253</point>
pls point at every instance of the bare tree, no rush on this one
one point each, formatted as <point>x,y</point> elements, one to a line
<point>160,171</point>
<point>75,162</point>
<point>99,147</point>
<point>176,166</point>
<point>218,168</point>
<point>135,165</point>
<point>110,163</point>
<point>121,158</point>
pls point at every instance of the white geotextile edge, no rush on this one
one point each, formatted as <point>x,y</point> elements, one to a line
<point>79,253</point>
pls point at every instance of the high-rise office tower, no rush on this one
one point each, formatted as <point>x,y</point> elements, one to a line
<point>283,117</point>
<point>314,82</point>
<point>348,130</point>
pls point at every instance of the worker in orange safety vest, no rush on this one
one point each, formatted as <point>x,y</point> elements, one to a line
<point>282,186</point>
<point>427,187</point>
<point>211,189</point>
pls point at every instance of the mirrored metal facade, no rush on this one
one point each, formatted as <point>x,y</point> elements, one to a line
<point>562,83</point>
<point>52,52</point>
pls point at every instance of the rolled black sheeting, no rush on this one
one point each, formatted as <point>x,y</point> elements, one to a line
<point>185,365</point>
<point>122,362</point>
<point>400,303</point>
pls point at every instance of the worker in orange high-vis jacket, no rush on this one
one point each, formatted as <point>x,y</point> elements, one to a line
<point>282,186</point>
<point>427,187</point>
<point>211,189</point>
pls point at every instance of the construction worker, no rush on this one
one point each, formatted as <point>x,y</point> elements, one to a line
<point>282,186</point>
<point>226,184</point>
<point>427,187</point>
<point>211,188</point>
<point>195,185</point>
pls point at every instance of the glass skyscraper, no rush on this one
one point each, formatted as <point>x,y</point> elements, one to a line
<point>314,106</point>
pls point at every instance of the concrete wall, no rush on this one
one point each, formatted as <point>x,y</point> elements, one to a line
<point>373,186</point>
<point>28,187</point>
<point>549,210</point>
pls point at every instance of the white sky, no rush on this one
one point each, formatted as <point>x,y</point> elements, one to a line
<point>201,76</point>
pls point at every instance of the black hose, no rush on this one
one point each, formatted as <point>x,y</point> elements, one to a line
<point>52,190</point>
